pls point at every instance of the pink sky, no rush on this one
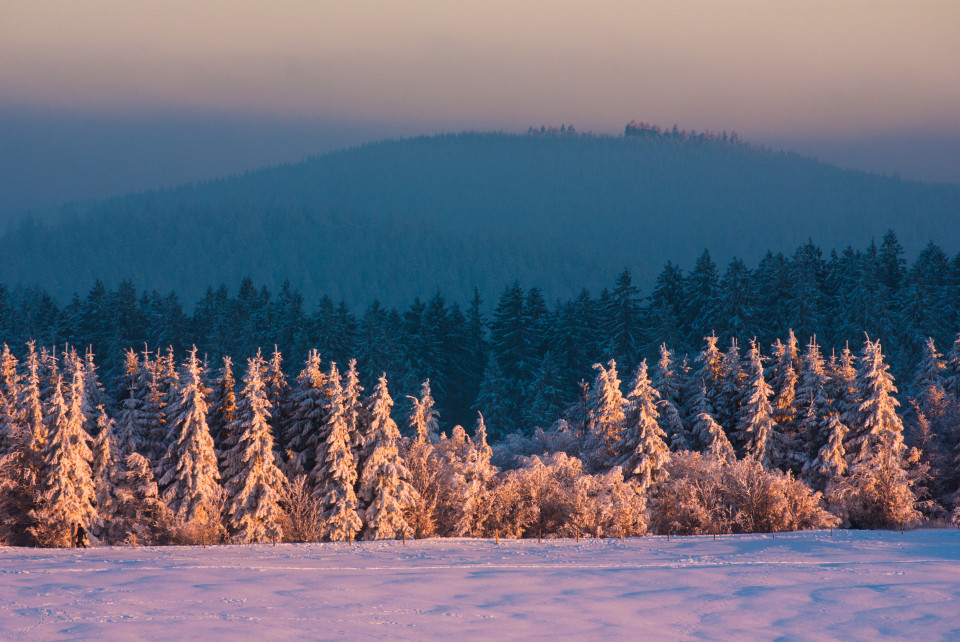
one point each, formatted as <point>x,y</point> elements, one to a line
<point>762,67</point>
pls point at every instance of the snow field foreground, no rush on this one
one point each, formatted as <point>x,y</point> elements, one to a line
<point>812,585</point>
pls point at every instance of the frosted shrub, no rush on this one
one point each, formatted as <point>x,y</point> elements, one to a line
<point>304,512</point>
<point>550,496</point>
<point>703,496</point>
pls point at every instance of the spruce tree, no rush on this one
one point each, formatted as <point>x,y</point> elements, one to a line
<point>423,416</point>
<point>336,474</point>
<point>191,480</point>
<point>255,489</point>
<point>68,494</point>
<point>307,415</point>
<point>606,417</point>
<point>643,453</point>
<point>756,426</point>
<point>383,483</point>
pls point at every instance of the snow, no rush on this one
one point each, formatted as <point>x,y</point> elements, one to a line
<point>813,585</point>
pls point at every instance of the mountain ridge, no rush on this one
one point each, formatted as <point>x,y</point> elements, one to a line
<point>406,217</point>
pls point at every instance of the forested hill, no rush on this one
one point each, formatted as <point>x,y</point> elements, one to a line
<point>406,218</point>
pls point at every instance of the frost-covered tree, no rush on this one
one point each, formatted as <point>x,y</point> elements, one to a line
<point>424,425</point>
<point>105,469</point>
<point>278,391</point>
<point>784,383</point>
<point>606,417</point>
<point>812,406</point>
<point>191,480</point>
<point>728,400</point>
<point>256,487</point>
<point>708,375</point>
<point>672,425</point>
<point>68,494</point>
<point>931,369</point>
<point>308,409</point>
<point>353,408</point>
<point>333,410</point>
<point>383,482</point>
<point>476,479</point>
<point>877,428</point>
<point>831,462</point>
<point>881,491</point>
<point>336,471</point>
<point>643,453</point>
<point>21,461</point>
<point>713,439</point>
<point>667,379</point>
<point>223,405</point>
<point>140,513</point>
<point>9,395</point>
<point>756,426</point>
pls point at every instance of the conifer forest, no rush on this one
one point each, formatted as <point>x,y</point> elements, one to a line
<point>810,390</point>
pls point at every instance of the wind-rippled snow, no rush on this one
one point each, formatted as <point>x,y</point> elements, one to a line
<point>813,585</point>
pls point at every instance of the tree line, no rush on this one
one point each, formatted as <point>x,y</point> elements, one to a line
<point>725,442</point>
<point>521,357</point>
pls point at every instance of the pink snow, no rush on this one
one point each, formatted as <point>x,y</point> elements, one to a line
<point>813,585</point>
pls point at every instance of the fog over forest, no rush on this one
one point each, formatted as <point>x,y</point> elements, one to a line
<point>410,217</point>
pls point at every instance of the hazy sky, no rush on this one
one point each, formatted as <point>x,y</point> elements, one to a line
<point>830,70</point>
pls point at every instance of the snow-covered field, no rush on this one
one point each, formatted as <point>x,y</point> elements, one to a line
<point>851,585</point>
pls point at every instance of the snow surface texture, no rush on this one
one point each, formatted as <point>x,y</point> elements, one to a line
<point>814,585</point>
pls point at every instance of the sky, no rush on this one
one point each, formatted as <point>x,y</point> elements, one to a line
<point>89,91</point>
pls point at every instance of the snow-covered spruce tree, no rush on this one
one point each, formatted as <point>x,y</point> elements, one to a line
<point>383,483</point>
<point>256,487</point>
<point>278,392</point>
<point>707,376</point>
<point>191,481</point>
<point>223,406</point>
<point>667,382</point>
<point>784,383</point>
<point>106,471</point>
<point>20,467</point>
<point>308,409</point>
<point>877,428</point>
<point>139,510</point>
<point>713,440</point>
<point>332,409</point>
<point>732,378</point>
<point>881,493</point>
<point>643,453</point>
<point>151,436</point>
<point>812,407</point>
<point>129,418</point>
<point>336,472</point>
<point>930,372</point>
<point>842,386</point>
<point>830,464</point>
<point>94,397</point>
<point>423,415</point>
<point>68,493</point>
<point>606,418</point>
<point>756,426</point>
<point>353,408</point>
<point>672,426</point>
<point>9,395</point>
<point>477,475</point>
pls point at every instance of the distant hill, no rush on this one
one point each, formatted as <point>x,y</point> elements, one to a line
<point>403,218</point>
